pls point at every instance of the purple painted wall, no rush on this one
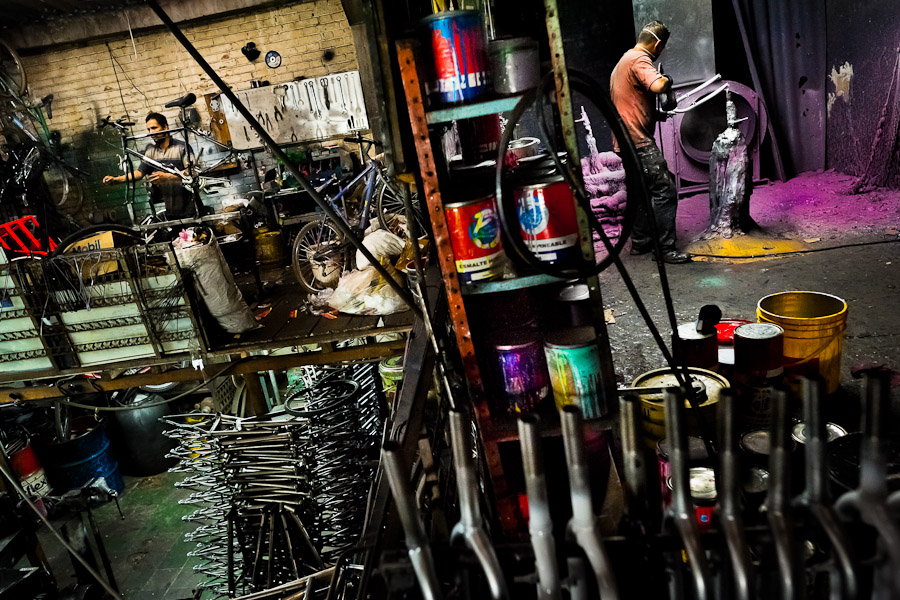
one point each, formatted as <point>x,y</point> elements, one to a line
<point>863,40</point>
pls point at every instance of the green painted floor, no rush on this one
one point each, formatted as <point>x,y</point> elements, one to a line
<point>147,551</point>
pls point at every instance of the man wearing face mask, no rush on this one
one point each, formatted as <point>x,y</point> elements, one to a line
<point>634,86</point>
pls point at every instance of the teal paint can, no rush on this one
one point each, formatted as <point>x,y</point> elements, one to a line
<point>573,359</point>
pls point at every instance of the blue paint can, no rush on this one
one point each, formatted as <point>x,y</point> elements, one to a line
<point>573,359</point>
<point>458,44</point>
<point>522,371</point>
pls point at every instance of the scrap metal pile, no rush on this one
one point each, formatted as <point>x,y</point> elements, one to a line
<point>279,497</point>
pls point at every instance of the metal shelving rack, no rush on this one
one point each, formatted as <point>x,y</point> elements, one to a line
<point>493,429</point>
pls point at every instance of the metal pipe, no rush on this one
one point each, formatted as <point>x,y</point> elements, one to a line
<point>703,85</point>
<point>273,147</point>
<point>416,541</point>
<point>681,511</point>
<point>870,499</point>
<point>634,459</point>
<point>469,527</point>
<point>583,526</point>
<point>540,524</point>
<point>702,100</point>
<point>729,491</point>
<point>815,495</point>
<point>778,500</point>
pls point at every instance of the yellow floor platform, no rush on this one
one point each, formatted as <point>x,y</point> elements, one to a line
<point>743,248</point>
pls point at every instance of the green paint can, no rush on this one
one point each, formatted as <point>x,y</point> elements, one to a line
<point>573,359</point>
<point>391,371</point>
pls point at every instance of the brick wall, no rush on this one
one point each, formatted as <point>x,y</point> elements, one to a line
<point>83,80</point>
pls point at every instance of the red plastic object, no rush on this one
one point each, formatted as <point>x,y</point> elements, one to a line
<point>725,330</point>
<point>18,236</point>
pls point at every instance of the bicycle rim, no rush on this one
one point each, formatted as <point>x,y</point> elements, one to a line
<point>318,256</point>
<point>389,203</point>
<point>12,71</point>
<point>65,188</point>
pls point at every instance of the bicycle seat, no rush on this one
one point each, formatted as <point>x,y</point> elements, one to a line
<point>185,100</point>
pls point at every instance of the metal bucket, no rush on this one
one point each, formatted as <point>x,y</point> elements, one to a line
<point>515,65</point>
<point>814,325</point>
<point>86,455</point>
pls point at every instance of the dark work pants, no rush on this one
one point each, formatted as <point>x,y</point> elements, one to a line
<point>663,196</point>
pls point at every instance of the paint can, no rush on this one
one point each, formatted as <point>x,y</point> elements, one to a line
<point>833,431</point>
<point>696,349</point>
<point>548,221</point>
<point>522,371</point>
<point>573,359</point>
<point>479,138</point>
<point>31,474</point>
<point>391,371</point>
<point>697,457</point>
<point>576,306</point>
<point>524,148</point>
<point>755,484</point>
<point>703,495</point>
<point>475,238</point>
<point>653,413</point>
<point>458,45</point>
<point>515,65</point>
<point>758,371</point>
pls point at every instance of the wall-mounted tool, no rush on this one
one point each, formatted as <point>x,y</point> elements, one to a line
<point>273,59</point>
<point>324,83</point>
<point>250,51</point>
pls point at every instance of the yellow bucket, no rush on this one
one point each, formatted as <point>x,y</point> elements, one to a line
<point>814,325</point>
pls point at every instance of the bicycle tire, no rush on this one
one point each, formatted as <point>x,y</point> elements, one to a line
<point>67,242</point>
<point>387,202</point>
<point>318,256</point>
<point>64,187</point>
<point>12,70</point>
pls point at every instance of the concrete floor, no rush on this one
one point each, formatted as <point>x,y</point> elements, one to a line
<point>146,550</point>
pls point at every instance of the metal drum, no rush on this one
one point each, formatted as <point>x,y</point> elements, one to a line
<point>458,44</point>
<point>475,238</point>
<point>573,359</point>
<point>72,463</point>
<point>708,385</point>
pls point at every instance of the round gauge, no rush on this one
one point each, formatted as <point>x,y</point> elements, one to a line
<point>273,59</point>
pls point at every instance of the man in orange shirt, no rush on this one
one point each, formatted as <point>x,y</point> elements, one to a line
<point>634,85</point>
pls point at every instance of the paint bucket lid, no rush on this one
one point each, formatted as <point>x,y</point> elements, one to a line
<point>758,331</point>
<point>537,170</point>
<point>391,366</point>
<point>688,331</point>
<point>576,292</point>
<point>450,14</point>
<point>513,339</point>
<point>702,482</point>
<point>755,480</point>
<point>842,461</point>
<point>472,182</point>
<point>833,431</point>
<point>696,449</point>
<point>708,383</point>
<point>758,441</point>
<point>502,46</point>
<point>574,337</point>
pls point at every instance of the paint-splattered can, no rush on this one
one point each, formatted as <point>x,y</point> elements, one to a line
<point>703,495</point>
<point>758,371</point>
<point>522,371</point>
<point>459,46</point>
<point>697,457</point>
<point>475,238</point>
<point>548,222</point>
<point>573,359</point>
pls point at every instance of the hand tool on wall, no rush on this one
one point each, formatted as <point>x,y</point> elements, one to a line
<point>583,526</point>
<point>681,511</point>
<point>870,500</point>
<point>416,542</point>
<point>815,495</point>
<point>470,527</point>
<point>540,524</point>
<point>324,83</point>
<point>340,86</point>
<point>778,500</point>
<point>728,486</point>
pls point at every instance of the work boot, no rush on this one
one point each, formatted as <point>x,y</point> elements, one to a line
<point>674,257</point>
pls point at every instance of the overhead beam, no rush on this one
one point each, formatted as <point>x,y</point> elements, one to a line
<point>366,353</point>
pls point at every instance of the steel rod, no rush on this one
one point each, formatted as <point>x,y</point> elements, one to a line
<point>778,501</point>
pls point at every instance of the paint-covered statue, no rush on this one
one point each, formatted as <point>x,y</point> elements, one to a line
<point>729,181</point>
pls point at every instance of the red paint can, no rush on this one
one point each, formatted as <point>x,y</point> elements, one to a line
<point>548,221</point>
<point>475,238</point>
<point>697,457</point>
<point>703,495</point>
<point>27,466</point>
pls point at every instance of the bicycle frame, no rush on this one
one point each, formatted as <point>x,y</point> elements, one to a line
<point>370,173</point>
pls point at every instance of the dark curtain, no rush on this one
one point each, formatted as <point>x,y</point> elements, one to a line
<point>788,43</point>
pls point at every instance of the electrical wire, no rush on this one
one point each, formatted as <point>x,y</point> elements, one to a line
<point>15,484</point>
<point>67,403</point>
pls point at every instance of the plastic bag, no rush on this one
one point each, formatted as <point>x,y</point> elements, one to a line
<point>365,292</point>
<point>216,286</point>
<point>381,243</point>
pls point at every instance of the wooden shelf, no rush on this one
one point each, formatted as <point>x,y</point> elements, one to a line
<point>506,285</point>
<point>470,111</point>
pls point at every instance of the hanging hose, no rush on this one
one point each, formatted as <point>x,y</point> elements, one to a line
<point>635,183</point>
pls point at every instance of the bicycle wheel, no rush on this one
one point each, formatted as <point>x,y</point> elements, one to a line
<point>389,203</point>
<point>69,242</point>
<point>12,71</point>
<point>319,257</point>
<point>64,187</point>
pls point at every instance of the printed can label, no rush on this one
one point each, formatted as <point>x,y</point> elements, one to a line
<point>458,43</point>
<point>475,238</point>
<point>548,222</point>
